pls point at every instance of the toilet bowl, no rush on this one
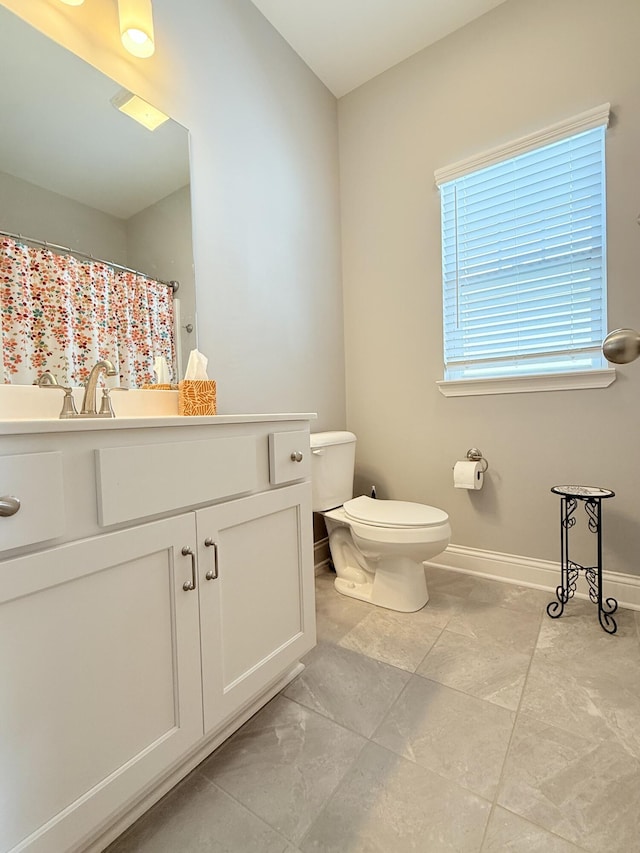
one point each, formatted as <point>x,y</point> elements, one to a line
<point>377,546</point>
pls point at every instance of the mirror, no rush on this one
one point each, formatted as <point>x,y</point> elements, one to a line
<point>78,173</point>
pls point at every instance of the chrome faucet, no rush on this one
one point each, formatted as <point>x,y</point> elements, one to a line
<point>89,399</point>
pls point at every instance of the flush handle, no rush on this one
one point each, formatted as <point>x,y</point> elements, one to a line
<point>189,585</point>
<point>9,505</point>
<point>212,575</point>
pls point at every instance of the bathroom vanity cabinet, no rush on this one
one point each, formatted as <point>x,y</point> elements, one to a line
<point>171,598</point>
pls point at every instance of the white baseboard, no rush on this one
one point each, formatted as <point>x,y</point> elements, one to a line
<point>538,574</point>
<point>321,555</point>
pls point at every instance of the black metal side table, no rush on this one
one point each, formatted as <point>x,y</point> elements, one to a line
<point>592,498</point>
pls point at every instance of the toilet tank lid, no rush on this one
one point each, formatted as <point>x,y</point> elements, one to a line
<point>326,439</point>
<point>393,513</point>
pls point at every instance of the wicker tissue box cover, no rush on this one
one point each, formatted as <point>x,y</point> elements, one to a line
<point>197,397</point>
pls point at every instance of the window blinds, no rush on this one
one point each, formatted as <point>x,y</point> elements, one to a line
<point>523,259</point>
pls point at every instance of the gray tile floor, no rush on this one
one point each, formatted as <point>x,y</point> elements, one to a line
<point>476,724</point>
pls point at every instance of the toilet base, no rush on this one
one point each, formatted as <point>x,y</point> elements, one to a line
<point>397,584</point>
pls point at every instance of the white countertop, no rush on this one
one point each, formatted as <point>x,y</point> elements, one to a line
<point>40,425</point>
<point>29,409</point>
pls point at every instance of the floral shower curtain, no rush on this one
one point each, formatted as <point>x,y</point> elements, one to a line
<point>63,314</point>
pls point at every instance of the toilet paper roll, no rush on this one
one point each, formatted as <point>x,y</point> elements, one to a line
<point>468,475</point>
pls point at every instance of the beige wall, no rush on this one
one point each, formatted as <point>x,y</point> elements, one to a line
<point>264,191</point>
<point>35,212</point>
<point>519,68</point>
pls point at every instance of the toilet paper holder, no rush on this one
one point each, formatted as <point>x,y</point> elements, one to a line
<point>475,455</point>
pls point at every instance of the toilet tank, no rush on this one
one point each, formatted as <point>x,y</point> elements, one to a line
<point>333,457</point>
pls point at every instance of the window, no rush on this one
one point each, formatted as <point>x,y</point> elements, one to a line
<point>524,256</point>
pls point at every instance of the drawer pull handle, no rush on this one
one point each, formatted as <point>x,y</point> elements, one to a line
<point>296,456</point>
<point>9,505</point>
<point>212,575</point>
<point>189,585</point>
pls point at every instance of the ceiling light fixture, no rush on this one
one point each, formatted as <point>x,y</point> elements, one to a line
<point>136,27</point>
<point>73,2</point>
<point>138,109</point>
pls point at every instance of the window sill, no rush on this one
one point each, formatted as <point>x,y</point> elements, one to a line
<point>525,384</point>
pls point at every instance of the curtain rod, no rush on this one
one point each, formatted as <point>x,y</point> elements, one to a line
<point>174,285</point>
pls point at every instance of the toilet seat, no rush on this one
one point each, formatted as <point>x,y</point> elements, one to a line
<point>392,523</point>
<point>394,514</point>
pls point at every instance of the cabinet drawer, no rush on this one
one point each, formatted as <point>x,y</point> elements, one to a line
<point>145,480</point>
<point>36,480</point>
<point>289,456</point>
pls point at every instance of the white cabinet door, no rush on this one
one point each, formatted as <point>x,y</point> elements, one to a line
<point>100,685</point>
<point>257,613</point>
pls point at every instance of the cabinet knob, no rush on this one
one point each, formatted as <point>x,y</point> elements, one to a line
<point>187,586</point>
<point>9,505</point>
<point>296,456</point>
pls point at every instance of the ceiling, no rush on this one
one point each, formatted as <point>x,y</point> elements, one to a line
<point>347,42</point>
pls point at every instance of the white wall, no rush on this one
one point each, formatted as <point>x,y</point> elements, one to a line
<point>519,68</point>
<point>264,190</point>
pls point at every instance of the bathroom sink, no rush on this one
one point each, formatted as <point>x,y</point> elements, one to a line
<point>29,409</point>
<point>28,402</point>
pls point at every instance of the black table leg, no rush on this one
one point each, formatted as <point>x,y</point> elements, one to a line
<point>570,571</point>
<point>594,575</point>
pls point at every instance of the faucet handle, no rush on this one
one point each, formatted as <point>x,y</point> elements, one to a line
<point>68,403</point>
<point>46,380</point>
<point>106,409</point>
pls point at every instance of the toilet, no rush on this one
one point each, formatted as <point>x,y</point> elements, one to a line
<point>377,546</point>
